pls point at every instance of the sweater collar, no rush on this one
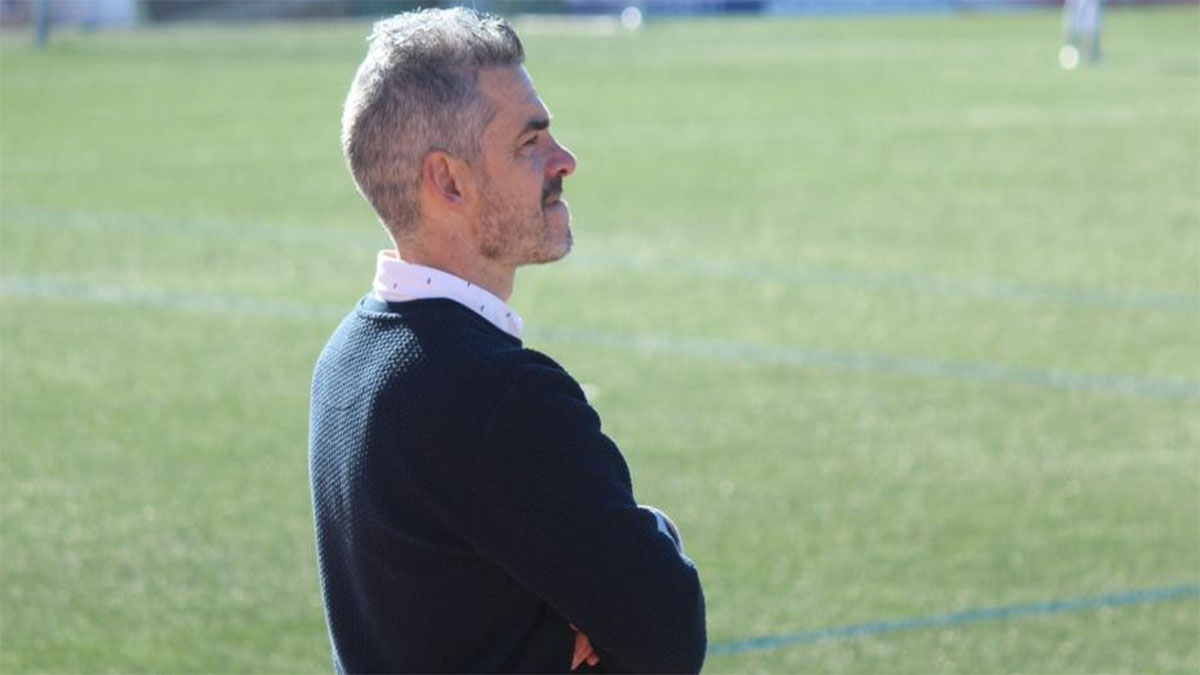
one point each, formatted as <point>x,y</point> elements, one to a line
<point>398,281</point>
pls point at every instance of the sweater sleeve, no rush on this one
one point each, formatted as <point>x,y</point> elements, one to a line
<point>553,507</point>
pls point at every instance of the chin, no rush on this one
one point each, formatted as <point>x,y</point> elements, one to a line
<point>550,250</point>
<point>564,238</point>
<point>565,248</point>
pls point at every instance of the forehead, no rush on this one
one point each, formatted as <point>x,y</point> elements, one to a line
<point>514,100</point>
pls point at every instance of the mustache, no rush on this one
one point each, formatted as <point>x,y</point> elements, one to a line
<point>552,188</point>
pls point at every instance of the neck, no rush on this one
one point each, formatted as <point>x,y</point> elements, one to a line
<point>487,274</point>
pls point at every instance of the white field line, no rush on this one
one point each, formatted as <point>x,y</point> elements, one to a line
<point>748,270</point>
<point>702,349</point>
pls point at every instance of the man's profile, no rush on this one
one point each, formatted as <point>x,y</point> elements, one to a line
<point>470,514</point>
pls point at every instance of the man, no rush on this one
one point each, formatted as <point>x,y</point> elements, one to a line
<point>470,515</point>
<point>1081,25</point>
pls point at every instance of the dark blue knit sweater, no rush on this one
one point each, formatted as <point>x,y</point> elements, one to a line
<point>469,508</point>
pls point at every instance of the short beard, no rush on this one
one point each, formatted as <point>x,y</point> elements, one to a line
<point>507,238</point>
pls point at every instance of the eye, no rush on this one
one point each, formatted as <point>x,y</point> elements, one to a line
<point>532,141</point>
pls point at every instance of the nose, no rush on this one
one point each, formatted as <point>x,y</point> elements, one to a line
<point>562,163</point>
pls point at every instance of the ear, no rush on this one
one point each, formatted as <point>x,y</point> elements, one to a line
<point>448,179</point>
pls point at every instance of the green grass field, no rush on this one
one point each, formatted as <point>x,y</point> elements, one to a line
<point>896,317</point>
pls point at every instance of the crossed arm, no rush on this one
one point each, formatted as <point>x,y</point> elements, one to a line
<point>553,493</point>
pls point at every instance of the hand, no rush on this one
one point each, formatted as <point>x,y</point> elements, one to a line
<point>583,650</point>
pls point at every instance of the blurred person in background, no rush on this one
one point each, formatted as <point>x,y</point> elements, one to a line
<point>470,514</point>
<point>1081,28</point>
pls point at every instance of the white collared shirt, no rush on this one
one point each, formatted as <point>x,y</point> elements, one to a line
<point>398,281</point>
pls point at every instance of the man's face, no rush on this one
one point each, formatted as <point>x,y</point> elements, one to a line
<point>523,217</point>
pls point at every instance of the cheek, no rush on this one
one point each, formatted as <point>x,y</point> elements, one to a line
<point>524,178</point>
<point>536,164</point>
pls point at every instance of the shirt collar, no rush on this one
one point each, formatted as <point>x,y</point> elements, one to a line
<point>398,281</point>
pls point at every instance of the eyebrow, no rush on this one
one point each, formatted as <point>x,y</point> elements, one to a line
<point>535,124</point>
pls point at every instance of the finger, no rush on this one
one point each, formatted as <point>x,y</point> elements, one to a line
<point>582,649</point>
<point>589,653</point>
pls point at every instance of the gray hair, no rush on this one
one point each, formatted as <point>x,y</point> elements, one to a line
<point>416,92</point>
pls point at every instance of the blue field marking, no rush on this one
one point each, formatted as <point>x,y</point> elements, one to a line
<point>896,282</point>
<point>183,226</point>
<point>1134,597</point>
<point>709,349</point>
<point>50,288</point>
<point>788,275</point>
<point>730,350</point>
